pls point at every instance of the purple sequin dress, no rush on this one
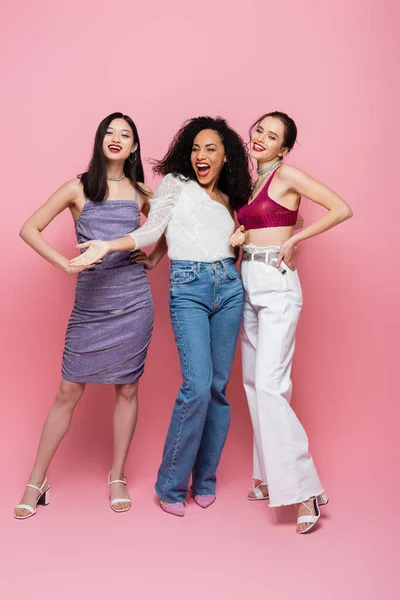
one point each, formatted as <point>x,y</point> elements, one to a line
<point>111,323</point>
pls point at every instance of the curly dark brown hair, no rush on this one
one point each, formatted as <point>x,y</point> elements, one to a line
<point>234,179</point>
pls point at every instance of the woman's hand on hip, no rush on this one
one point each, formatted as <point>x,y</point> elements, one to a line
<point>96,250</point>
<point>140,258</point>
<point>286,253</point>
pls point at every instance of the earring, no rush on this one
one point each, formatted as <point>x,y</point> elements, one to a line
<point>132,157</point>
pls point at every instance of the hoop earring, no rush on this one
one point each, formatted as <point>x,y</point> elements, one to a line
<point>132,157</point>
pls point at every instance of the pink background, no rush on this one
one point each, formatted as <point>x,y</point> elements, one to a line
<point>330,65</point>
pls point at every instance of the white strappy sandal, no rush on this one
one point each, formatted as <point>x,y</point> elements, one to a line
<point>117,500</point>
<point>312,519</point>
<point>257,493</point>
<point>43,499</point>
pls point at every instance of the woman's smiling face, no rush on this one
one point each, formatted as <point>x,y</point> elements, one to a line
<point>118,141</point>
<point>208,156</point>
<point>267,139</point>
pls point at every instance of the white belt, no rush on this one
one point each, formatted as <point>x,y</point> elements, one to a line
<point>269,258</point>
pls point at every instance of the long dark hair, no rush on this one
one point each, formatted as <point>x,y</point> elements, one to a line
<point>95,179</point>
<point>234,179</point>
<point>290,135</point>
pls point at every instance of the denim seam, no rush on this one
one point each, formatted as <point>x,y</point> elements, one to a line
<point>178,435</point>
<point>216,291</point>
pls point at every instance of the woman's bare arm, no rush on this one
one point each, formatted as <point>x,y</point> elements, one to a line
<point>304,185</point>
<point>66,196</point>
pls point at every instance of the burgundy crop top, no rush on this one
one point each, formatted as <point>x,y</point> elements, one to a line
<point>265,212</point>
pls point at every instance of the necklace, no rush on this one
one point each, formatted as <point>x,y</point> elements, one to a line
<point>117,178</point>
<point>259,183</point>
<point>270,168</point>
<point>263,174</point>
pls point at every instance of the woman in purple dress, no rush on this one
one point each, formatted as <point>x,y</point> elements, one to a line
<point>111,323</point>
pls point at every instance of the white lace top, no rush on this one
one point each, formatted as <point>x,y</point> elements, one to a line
<point>196,227</point>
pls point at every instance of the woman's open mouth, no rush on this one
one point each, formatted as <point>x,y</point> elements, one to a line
<point>114,148</point>
<point>258,147</point>
<point>203,169</point>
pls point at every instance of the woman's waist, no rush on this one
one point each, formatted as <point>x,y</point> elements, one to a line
<point>114,260</point>
<point>268,236</point>
<point>197,253</point>
<point>199,265</point>
<point>267,254</point>
<point>190,241</point>
<point>113,272</point>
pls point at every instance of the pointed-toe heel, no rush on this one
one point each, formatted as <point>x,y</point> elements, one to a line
<point>173,508</point>
<point>204,501</point>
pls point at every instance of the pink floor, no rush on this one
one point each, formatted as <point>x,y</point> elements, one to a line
<point>77,547</point>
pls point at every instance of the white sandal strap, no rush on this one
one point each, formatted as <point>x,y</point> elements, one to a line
<point>35,487</point>
<point>26,507</point>
<point>307,519</point>
<point>258,493</point>
<point>116,500</point>
<point>116,480</point>
<point>39,489</point>
<point>307,507</point>
<point>310,518</point>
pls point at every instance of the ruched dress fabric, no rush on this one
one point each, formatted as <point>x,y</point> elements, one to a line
<point>110,327</point>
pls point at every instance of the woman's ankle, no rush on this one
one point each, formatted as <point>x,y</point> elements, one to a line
<point>117,472</point>
<point>37,477</point>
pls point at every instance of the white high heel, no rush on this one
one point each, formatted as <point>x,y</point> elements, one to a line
<point>43,499</point>
<point>312,519</point>
<point>117,500</point>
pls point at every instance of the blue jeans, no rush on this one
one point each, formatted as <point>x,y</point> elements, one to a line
<point>206,307</point>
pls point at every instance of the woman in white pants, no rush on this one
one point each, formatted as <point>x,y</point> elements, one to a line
<point>283,469</point>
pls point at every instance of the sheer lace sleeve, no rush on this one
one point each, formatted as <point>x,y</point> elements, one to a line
<point>161,207</point>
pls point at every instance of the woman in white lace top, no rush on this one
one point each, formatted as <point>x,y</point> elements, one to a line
<point>206,177</point>
<point>196,226</point>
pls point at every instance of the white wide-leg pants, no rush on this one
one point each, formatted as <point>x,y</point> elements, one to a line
<point>273,303</point>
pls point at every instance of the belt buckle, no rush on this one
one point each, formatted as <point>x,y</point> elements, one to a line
<point>260,257</point>
<point>271,259</point>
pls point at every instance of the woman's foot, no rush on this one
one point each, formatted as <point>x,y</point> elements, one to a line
<point>119,495</point>
<point>34,490</point>
<point>173,508</point>
<point>259,492</point>
<point>308,513</point>
<point>204,501</point>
